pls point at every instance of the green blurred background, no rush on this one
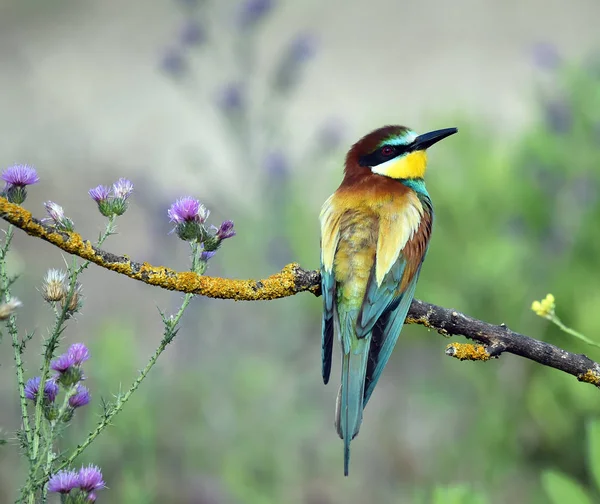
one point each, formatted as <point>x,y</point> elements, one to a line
<point>250,106</point>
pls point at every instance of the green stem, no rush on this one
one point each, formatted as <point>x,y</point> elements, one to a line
<point>51,345</point>
<point>50,436</point>
<point>53,342</point>
<point>170,333</point>
<point>109,230</point>
<point>33,438</point>
<point>12,329</point>
<point>553,318</point>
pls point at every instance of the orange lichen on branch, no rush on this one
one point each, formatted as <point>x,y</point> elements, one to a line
<point>276,286</point>
<point>425,321</point>
<point>467,351</point>
<point>287,282</point>
<point>590,376</point>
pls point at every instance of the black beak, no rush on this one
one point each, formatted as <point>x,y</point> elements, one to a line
<point>426,140</point>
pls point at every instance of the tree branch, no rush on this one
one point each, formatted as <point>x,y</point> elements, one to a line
<point>493,339</point>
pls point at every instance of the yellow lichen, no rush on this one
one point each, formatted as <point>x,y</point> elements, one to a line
<point>276,286</point>
<point>424,321</point>
<point>590,376</point>
<point>467,351</point>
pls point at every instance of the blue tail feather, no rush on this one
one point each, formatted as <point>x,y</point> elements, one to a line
<point>350,400</point>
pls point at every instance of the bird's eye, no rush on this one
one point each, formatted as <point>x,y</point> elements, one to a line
<point>386,150</point>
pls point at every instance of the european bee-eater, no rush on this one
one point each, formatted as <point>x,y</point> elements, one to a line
<point>375,232</point>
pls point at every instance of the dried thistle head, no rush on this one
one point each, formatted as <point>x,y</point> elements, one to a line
<point>8,308</point>
<point>76,301</point>
<point>54,287</point>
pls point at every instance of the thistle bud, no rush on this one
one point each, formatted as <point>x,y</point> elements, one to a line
<point>76,301</point>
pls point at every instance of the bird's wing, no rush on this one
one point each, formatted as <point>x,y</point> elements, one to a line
<point>386,304</point>
<point>385,333</point>
<point>330,227</point>
<point>398,226</point>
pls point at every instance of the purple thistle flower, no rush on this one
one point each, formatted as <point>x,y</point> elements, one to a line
<point>51,390</point>
<point>33,386</point>
<point>55,211</point>
<point>57,216</point>
<point>100,193</point>
<point>225,230</point>
<point>252,11</point>
<point>20,175</point>
<point>192,33</point>
<point>79,353</point>
<point>188,209</point>
<point>123,188</point>
<point>80,398</point>
<point>90,478</point>
<point>207,254</point>
<point>112,200</point>
<point>63,482</point>
<point>91,497</point>
<point>62,363</point>
<point>231,98</point>
<point>68,364</point>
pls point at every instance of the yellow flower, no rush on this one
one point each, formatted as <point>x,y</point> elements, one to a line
<point>545,307</point>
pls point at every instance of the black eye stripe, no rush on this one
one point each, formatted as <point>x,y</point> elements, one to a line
<point>377,157</point>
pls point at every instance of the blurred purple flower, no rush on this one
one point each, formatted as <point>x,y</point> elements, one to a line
<point>303,48</point>
<point>558,115</point>
<point>63,482</point>
<point>192,33</point>
<point>173,62</point>
<point>225,230</point>
<point>92,497</point>
<point>277,164</point>
<point>20,175</point>
<point>188,209</point>
<point>253,11</point>
<point>79,353</point>
<point>330,134</point>
<point>80,398</point>
<point>231,98</point>
<point>122,188</point>
<point>585,191</point>
<point>90,478</point>
<point>33,386</point>
<point>100,193</point>
<point>545,56</point>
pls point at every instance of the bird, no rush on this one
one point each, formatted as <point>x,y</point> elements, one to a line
<point>375,231</point>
